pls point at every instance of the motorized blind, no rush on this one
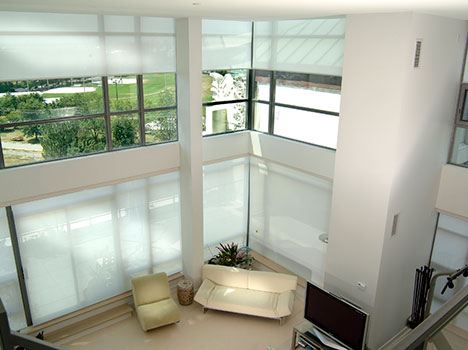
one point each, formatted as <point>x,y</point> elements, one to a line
<point>226,44</point>
<point>306,46</point>
<point>55,45</point>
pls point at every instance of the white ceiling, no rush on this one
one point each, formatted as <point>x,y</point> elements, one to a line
<point>243,9</point>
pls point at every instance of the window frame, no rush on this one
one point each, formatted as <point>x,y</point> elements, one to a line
<point>247,100</point>
<point>276,75</point>
<point>107,116</point>
<point>462,105</point>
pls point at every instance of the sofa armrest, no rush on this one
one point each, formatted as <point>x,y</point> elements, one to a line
<point>203,293</point>
<point>285,303</point>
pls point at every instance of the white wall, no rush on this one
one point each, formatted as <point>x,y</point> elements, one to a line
<point>311,159</point>
<point>228,146</point>
<point>394,137</point>
<point>373,74</point>
<point>189,102</point>
<point>429,106</point>
<point>31,182</point>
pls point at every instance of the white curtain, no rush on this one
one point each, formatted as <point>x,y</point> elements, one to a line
<point>306,46</point>
<point>226,44</point>
<point>9,287</point>
<point>83,247</point>
<point>225,202</point>
<point>53,45</point>
<point>289,210</point>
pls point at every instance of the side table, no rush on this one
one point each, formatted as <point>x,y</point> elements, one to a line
<point>185,292</point>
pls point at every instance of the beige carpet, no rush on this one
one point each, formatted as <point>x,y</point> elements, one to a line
<point>214,330</point>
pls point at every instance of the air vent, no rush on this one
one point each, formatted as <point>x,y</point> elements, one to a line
<point>417,53</point>
<point>395,224</point>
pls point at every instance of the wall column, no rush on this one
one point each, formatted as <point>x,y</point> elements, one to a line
<point>394,136</point>
<point>189,67</point>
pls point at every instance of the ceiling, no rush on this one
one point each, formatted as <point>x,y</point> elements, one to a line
<point>242,9</point>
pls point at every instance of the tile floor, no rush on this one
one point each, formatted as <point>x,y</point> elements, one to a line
<point>213,330</point>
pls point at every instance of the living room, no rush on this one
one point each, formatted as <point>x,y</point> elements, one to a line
<point>135,140</point>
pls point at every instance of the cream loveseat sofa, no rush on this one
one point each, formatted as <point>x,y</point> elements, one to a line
<point>258,293</point>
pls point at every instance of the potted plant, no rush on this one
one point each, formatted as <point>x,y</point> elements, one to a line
<point>231,255</point>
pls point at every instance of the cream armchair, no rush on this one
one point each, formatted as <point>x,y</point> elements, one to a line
<point>153,303</point>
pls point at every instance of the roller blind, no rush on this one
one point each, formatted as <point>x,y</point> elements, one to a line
<point>52,45</point>
<point>225,198</point>
<point>307,46</point>
<point>226,44</point>
<point>289,210</point>
<point>83,247</point>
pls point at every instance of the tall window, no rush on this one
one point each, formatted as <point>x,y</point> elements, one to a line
<point>60,118</point>
<point>83,247</point>
<point>459,154</point>
<point>289,214</point>
<point>225,203</point>
<point>298,106</point>
<point>225,102</point>
<point>226,60</point>
<point>75,84</point>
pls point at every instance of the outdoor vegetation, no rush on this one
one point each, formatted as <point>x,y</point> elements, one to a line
<point>218,86</point>
<point>40,100</point>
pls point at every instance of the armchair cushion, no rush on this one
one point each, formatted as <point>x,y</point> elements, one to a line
<point>158,314</point>
<point>150,288</point>
<point>153,303</point>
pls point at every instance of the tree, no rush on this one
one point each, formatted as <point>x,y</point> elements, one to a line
<point>162,125</point>
<point>83,103</point>
<point>32,107</point>
<point>59,139</point>
<point>124,131</point>
<point>71,138</point>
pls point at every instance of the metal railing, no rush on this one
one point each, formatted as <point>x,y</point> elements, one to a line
<point>10,340</point>
<point>431,325</point>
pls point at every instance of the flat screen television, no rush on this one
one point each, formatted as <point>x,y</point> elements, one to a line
<point>336,317</point>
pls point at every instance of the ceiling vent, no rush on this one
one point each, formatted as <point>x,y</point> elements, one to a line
<point>417,53</point>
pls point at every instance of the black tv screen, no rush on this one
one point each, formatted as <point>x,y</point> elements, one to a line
<point>343,321</point>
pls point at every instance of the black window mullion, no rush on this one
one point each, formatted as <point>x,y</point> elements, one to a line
<point>105,95</point>
<point>250,93</point>
<point>271,117</point>
<point>141,108</point>
<point>19,265</point>
<point>2,160</point>
<point>215,103</point>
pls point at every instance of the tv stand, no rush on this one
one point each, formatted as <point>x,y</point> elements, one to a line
<point>304,338</point>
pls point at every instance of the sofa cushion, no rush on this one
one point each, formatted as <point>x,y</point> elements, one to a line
<point>285,304</point>
<point>271,281</point>
<point>243,301</point>
<point>226,276</point>
<point>203,293</point>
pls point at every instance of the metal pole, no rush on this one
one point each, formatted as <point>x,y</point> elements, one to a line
<point>19,265</point>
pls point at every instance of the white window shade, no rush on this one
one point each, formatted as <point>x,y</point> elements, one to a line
<point>226,44</point>
<point>289,210</point>
<point>306,46</point>
<point>50,45</point>
<point>83,247</point>
<point>225,198</point>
